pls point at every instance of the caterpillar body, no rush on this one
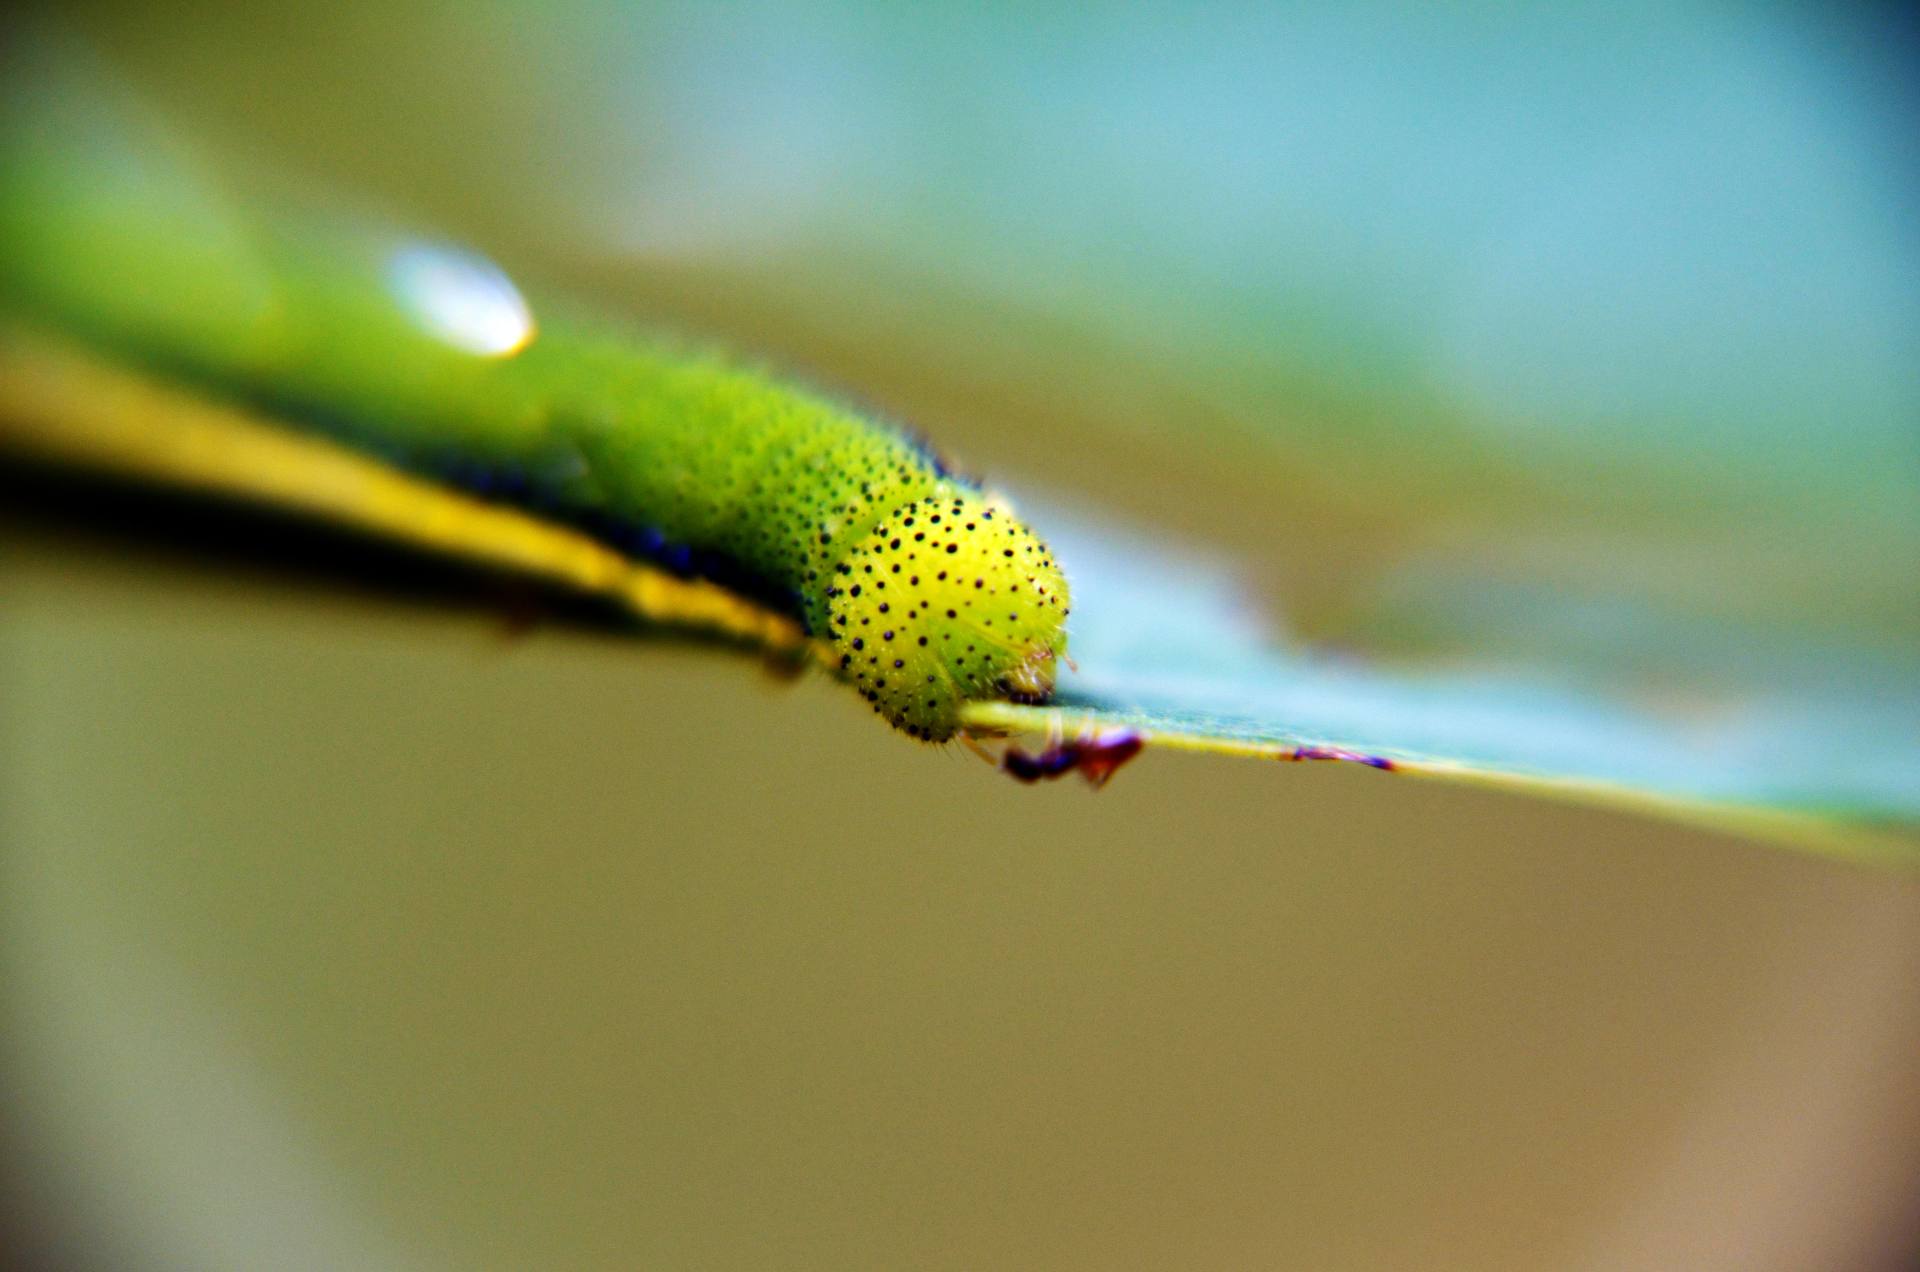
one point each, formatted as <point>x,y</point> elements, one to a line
<point>929,592</point>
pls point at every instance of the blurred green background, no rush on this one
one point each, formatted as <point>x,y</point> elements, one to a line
<point>345,935</point>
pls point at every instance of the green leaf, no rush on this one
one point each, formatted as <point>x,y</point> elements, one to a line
<point>1166,647</point>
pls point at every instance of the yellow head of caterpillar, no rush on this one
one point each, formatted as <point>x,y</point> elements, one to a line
<point>950,599</point>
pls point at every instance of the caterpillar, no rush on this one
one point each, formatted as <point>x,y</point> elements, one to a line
<point>913,584</point>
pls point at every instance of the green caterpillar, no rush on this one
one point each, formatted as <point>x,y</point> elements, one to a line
<point>929,593</point>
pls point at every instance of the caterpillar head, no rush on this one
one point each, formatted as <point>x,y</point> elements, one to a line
<point>949,599</point>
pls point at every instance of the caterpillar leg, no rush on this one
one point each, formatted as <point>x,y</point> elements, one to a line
<point>974,744</point>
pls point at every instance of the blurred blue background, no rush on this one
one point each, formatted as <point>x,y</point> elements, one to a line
<point>1614,300</point>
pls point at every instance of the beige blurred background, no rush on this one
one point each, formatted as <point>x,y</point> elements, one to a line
<point>345,936</point>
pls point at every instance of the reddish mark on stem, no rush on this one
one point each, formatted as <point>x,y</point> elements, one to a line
<point>1096,757</point>
<point>1294,755</point>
